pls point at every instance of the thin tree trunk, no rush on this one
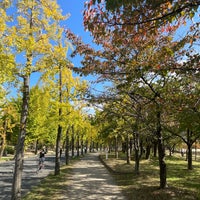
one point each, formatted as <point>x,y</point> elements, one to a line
<point>161,153</point>
<point>128,154</point>
<point>155,147</point>
<point>67,147</point>
<point>57,159</point>
<point>78,152</point>
<point>3,137</point>
<point>137,157</point>
<point>189,150</point>
<point>86,146</point>
<point>148,151</point>
<point>137,143</point>
<point>82,147</point>
<point>72,141</point>
<point>116,148</point>
<point>59,134</point>
<point>93,145</point>
<point>36,147</point>
<point>19,157</point>
<point>141,149</point>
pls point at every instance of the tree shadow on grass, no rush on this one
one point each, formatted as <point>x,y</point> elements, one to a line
<point>52,187</point>
<point>139,188</point>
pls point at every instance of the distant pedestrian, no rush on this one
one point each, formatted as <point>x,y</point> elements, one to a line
<point>41,159</point>
<point>60,152</point>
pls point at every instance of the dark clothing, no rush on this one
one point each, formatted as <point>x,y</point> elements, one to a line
<point>42,154</point>
<point>60,153</point>
<point>41,160</point>
<point>42,157</point>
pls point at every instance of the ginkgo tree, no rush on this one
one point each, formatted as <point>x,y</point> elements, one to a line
<point>9,116</point>
<point>30,38</point>
<point>7,59</point>
<point>65,89</point>
<point>40,129</point>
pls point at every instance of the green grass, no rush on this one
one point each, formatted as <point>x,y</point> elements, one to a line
<point>49,188</point>
<point>181,183</point>
<point>6,158</point>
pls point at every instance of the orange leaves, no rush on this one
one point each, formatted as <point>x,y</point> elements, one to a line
<point>158,67</point>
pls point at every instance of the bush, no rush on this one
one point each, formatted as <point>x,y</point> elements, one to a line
<point>9,150</point>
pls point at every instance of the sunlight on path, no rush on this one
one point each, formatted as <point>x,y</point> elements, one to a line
<point>89,179</point>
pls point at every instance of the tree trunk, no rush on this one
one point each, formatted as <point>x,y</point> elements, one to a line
<point>93,145</point>
<point>19,157</point>
<point>161,153</point>
<point>72,141</point>
<point>86,146</point>
<point>116,148</point>
<point>128,154</point>
<point>59,134</point>
<point>3,137</point>
<point>148,151</point>
<point>36,147</point>
<point>189,156</point>
<point>141,149</point>
<point>58,146</point>
<point>189,150</point>
<point>137,156</point>
<point>155,148</point>
<point>82,147</point>
<point>67,147</point>
<point>162,164</point>
<point>77,146</point>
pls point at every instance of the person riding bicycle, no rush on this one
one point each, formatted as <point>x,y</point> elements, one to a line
<point>41,159</point>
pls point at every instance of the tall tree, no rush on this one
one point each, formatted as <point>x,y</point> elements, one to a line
<point>30,38</point>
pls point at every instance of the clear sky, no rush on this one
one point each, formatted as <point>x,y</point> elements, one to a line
<point>75,21</point>
<point>75,24</point>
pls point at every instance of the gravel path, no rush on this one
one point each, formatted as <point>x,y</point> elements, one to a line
<point>90,180</point>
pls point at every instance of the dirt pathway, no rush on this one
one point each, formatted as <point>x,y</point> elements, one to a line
<point>90,180</point>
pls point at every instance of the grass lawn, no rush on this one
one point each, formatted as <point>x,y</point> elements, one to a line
<point>6,158</point>
<point>183,184</point>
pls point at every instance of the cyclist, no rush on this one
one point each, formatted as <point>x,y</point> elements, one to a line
<point>41,159</point>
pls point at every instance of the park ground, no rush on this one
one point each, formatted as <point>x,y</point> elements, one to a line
<point>182,183</point>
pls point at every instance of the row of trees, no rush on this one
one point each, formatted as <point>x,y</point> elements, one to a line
<point>154,74</point>
<point>153,69</point>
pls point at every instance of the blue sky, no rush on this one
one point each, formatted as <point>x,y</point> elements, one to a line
<point>75,24</point>
<point>75,21</point>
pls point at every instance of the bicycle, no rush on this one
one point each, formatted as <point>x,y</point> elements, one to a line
<point>40,164</point>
